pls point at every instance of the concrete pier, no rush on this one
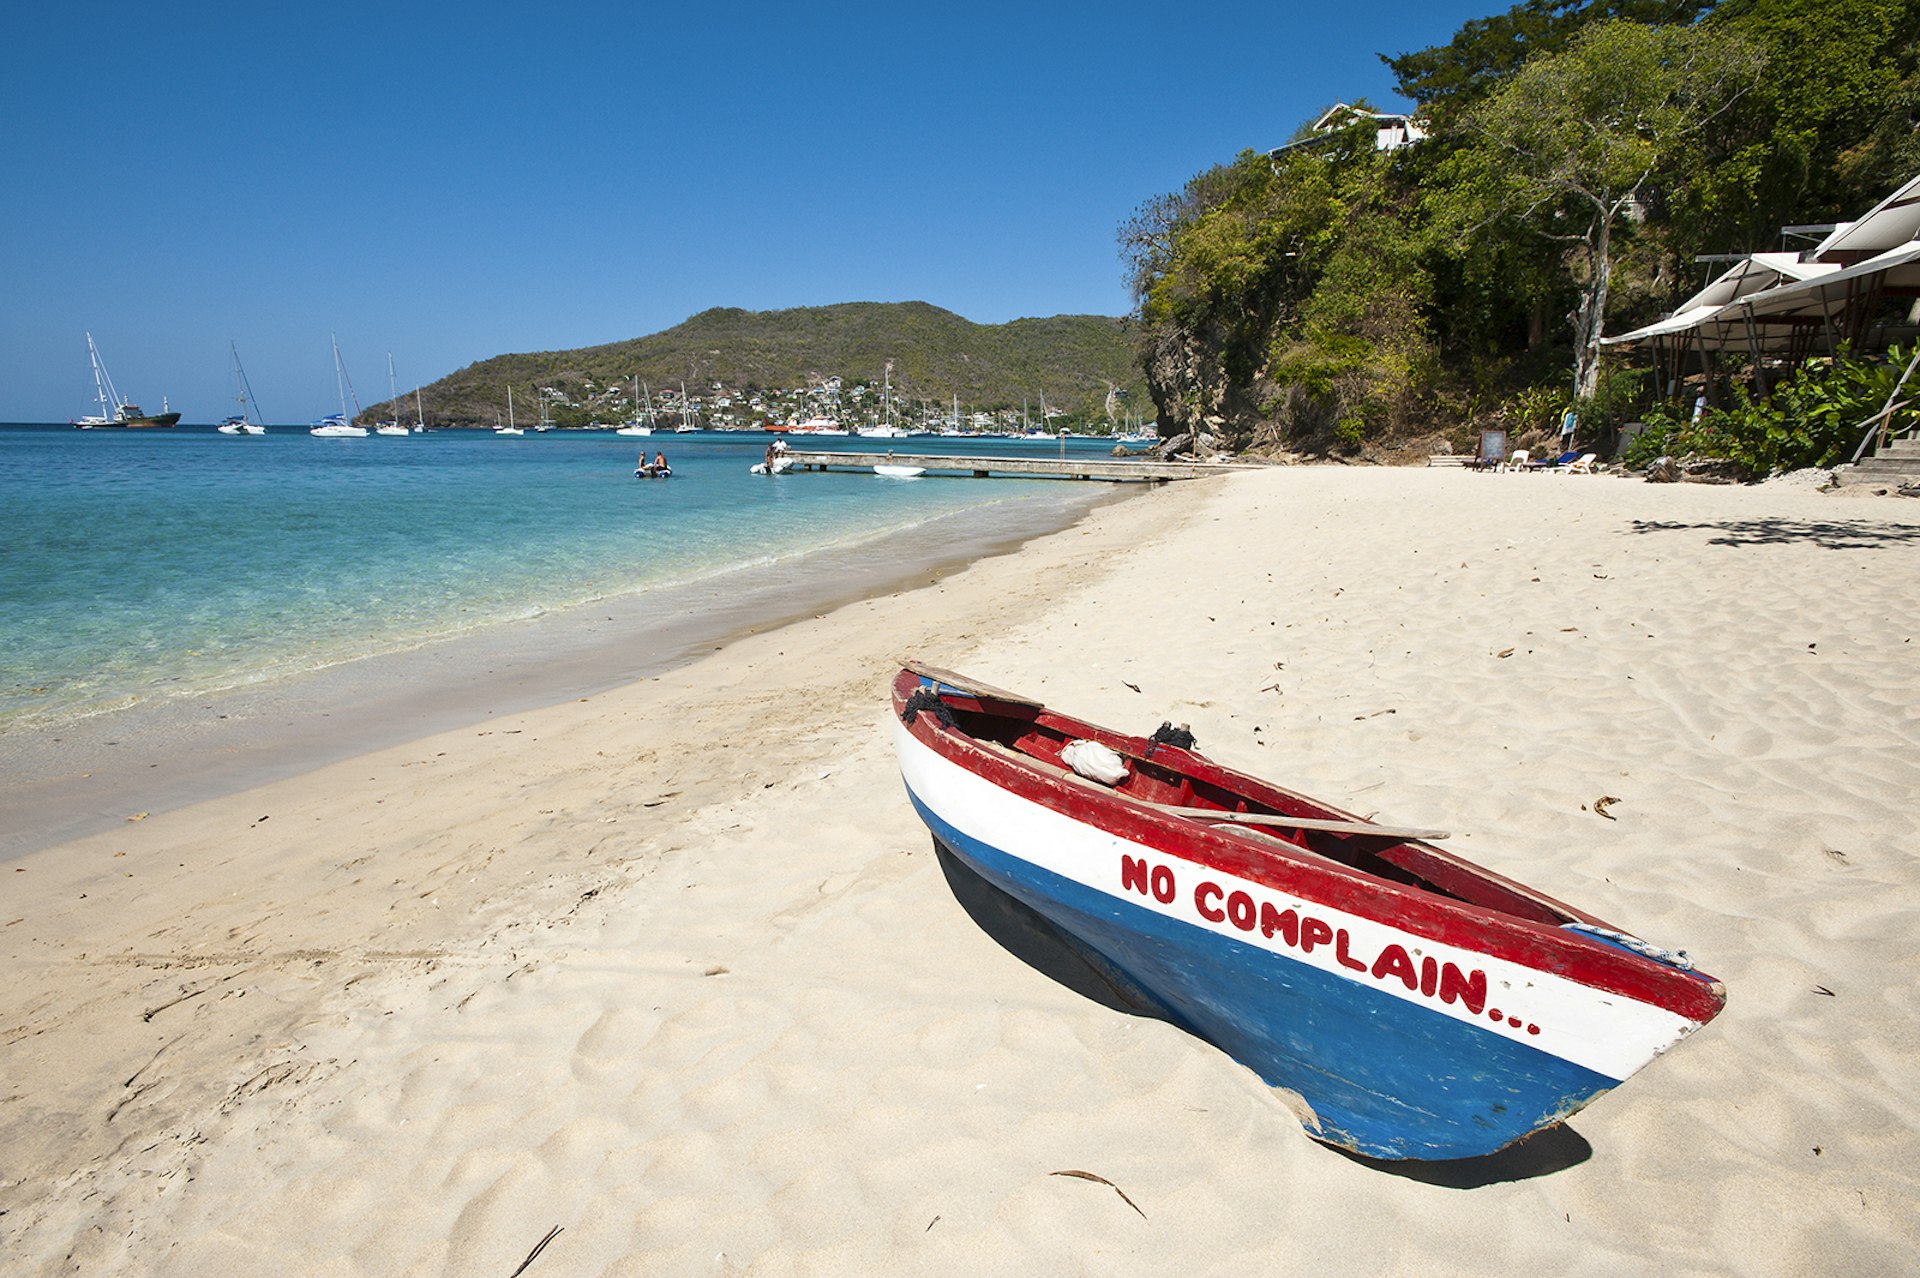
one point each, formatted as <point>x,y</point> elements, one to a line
<point>1099,468</point>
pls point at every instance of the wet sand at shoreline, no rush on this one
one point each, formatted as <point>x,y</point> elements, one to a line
<point>80,777</point>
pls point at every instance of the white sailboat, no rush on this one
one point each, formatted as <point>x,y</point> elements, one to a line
<point>241,423</point>
<point>637,425</point>
<point>419,416</point>
<point>509,428</point>
<point>391,426</point>
<point>886,429</point>
<point>688,419</point>
<point>339,425</point>
<point>1033,432</point>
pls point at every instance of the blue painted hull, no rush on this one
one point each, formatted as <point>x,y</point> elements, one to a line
<point>1385,1078</point>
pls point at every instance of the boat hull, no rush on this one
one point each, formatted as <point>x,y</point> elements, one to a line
<point>145,421</point>
<point>1392,1040</point>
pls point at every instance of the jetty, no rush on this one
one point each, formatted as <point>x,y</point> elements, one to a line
<point>1114,469</point>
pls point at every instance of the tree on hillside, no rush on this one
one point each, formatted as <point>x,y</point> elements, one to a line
<point>1829,130</point>
<point>1281,299</point>
<point>1451,77</point>
<point>1589,135</point>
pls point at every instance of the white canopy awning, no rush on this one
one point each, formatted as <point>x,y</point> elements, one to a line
<point>1889,224</point>
<point>1766,318</point>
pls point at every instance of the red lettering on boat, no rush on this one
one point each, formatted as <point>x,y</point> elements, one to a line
<point>1470,991</point>
<point>1393,961</point>
<point>1240,910</point>
<point>1429,976</point>
<point>1133,874</point>
<point>1313,932</point>
<point>1212,914</point>
<point>1162,884</point>
<point>1285,922</point>
<point>1340,952</point>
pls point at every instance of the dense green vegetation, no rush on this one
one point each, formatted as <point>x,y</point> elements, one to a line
<point>1810,419</point>
<point>1075,361</point>
<point>1335,297</point>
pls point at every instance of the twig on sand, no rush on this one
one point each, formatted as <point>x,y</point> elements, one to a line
<point>1087,1175</point>
<point>152,1012</point>
<point>537,1249</point>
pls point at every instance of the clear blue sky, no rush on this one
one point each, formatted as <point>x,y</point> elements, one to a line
<point>450,182</point>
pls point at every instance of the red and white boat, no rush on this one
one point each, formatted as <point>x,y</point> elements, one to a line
<point>1416,1005</point>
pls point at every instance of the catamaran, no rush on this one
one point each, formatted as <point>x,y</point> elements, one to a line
<point>114,411</point>
<point>241,423</point>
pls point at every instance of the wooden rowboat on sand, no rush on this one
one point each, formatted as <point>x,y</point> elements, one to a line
<point>1411,1004</point>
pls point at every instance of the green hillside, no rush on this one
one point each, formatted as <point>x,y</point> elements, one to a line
<point>1073,360</point>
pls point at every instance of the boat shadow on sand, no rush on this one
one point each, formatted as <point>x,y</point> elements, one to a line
<point>1022,932</point>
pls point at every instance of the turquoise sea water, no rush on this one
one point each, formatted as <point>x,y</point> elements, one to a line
<point>151,564</point>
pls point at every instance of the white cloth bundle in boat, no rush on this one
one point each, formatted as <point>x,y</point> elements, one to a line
<point>1094,761</point>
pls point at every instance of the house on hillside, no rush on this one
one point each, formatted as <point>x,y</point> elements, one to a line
<point>1391,130</point>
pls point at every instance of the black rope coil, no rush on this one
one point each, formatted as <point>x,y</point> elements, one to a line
<point>1166,734</point>
<point>927,699</point>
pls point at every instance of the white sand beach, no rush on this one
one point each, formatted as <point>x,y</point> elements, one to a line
<point>673,969</point>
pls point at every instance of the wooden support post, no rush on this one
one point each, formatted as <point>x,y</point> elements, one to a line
<point>1753,350</point>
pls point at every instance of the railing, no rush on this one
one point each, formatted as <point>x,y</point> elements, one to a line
<point>1881,422</point>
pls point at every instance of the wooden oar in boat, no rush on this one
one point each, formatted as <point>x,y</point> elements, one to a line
<point>960,683</point>
<point>1299,823</point>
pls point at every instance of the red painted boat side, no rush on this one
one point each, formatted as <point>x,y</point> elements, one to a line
<point>1515,923</point>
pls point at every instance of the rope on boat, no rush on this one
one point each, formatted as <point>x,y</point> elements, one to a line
<point>927,699</point>
<point>1646,949</point>
<point>1166,734</point>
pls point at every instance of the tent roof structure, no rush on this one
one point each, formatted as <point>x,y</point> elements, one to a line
<point>1767,301</point>
<point>1890,223</point>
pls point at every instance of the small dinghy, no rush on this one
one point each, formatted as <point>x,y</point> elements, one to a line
<point>1410,1004</point>
<point>780,467</point>
<point>899,472</point>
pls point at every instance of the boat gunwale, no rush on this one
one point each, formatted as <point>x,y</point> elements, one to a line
<point>1302,872</point>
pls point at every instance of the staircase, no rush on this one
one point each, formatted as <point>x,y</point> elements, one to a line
<point>1896,463</point>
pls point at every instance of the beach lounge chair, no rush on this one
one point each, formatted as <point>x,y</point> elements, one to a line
<point>1584,466</point>
<point>1516,460</point>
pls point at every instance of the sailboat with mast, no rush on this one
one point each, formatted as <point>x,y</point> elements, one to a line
<point>114,411</point>
<point>339,425</point>
<point>241,423</point>
<point>638,425</point>
<point>689,418</point>
<point>886,429</point>
<point>509,428</point>
<point>391,426</point>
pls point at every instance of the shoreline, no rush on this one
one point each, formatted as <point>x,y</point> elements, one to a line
<point>675,970</point>
<point>83,775</point>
